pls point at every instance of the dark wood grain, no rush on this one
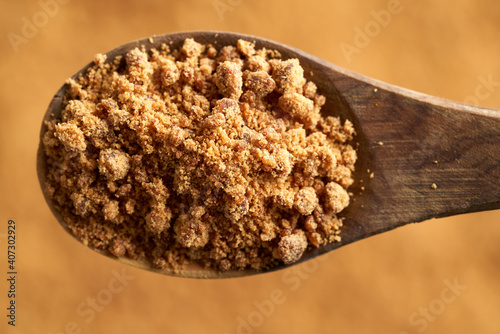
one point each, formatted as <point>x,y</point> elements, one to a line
<point>408,140</point>
<point>425,141</point>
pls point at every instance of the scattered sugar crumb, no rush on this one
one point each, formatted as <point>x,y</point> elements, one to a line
<point>216,156</point>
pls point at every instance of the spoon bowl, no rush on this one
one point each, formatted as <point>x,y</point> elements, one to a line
<point>419,157</point>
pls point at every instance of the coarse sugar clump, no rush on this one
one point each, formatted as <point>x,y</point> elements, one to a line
<point>217,157</point>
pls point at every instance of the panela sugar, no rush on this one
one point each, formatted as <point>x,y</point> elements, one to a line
<point>197,155</point>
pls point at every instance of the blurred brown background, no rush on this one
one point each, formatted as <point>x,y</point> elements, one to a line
<point>434,277</point>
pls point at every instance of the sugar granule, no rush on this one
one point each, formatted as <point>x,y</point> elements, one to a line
<point>217,157</point>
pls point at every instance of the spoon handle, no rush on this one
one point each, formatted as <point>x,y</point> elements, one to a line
<point>430,157</point>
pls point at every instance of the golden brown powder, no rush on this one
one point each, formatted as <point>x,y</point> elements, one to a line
<point>219,157</point>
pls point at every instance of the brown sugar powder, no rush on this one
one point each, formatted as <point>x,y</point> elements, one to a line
<point>217,157</point>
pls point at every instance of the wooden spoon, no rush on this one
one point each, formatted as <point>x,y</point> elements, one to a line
<point>419,157</point>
